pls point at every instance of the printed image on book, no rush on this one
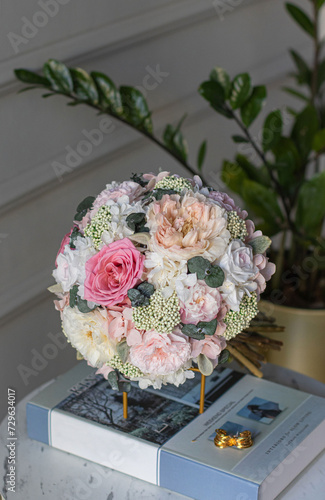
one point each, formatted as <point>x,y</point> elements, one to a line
<point>150,416</point>
<point>261,410</point>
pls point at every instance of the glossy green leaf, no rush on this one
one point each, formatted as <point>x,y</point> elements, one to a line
<point>84,86</point>
<point>320,3</point>
<point>251,109</point>
<point>258,174</point>
<point>239,139</point>
<point>287,160</point>
<point>175,141</point>
<point>201,155</point>
<point>214,93</point>
<point>26,76</point>
<point>319,140</point>
<point>233,176</point>
<point>295,93</point>
<point>220,76</point>
<point>205,365</point>
<point>311,205</point>
<point>260,244</point>
<point>272,130</point>
<point>240,90</point>
<point>304,72</point>
<point>304,129</point>
<point>58,75</point>
<point>109,96</point>
<point>264,203</point>
<point>301,18</point>
<point>135,108</point>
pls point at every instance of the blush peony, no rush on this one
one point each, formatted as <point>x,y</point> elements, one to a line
<point>112,272</point>
<point>199,303</point>
<point>182,228</point>
<point>160,353</point>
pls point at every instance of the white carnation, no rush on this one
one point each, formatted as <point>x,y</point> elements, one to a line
<point>120,210</point>
<point>176,378</point>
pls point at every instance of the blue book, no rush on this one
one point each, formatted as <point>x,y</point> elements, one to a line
<point>166,442</point>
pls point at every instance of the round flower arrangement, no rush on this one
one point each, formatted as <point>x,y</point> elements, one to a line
<point>155,276</point>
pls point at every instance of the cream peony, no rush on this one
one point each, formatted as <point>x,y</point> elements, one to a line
<point>199,303</point>
<point>88,334</point>
<point>182,228</point>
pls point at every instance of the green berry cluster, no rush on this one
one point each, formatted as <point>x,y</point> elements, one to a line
<point>237,321</point>
<point>161,314</point>
<point>99,224</point>
<point>127,369</point>
<point>175,183</point>
<point>236,226</point>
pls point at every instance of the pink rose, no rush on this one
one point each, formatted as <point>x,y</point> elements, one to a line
<point>160,353</point>
<point>112,272</point>
<point>64,242</point>
<point>266,270</point>
<point>199,303</point>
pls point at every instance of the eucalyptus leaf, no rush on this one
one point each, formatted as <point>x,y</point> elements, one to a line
<point>135,108</point>
<point>207,328</point>
<point>205,365</point>
<point>260,244</point>
<point>123,350</point>
<point>159,193</point>
<point>58,75</point>
<point>224,356</point>
<point>113,380</point>
<point>251,108</point>
<point>84,86</point>
<point>26,76</point>
<point>147,289</point>
<point>83,305</point>
<point>124,386</point>
<point>73,236</point>
<point>198,265</point>
<point>192,332</point>
<point>214,277</point>
<point>73,296</point>
<point>240,90</point>
<point>83,207</point>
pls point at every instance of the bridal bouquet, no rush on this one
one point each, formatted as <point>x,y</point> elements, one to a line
<point>156,275</point>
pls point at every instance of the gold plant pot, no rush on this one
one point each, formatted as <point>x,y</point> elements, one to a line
<point>303,339</point>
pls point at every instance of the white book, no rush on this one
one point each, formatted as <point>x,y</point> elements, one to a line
<point>166,442</point>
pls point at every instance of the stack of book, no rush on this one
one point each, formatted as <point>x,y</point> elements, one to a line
<point>166,442</point>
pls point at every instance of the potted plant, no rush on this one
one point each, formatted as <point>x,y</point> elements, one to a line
<point>283,182</point>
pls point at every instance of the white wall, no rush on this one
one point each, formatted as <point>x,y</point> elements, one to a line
<point>127,40</point>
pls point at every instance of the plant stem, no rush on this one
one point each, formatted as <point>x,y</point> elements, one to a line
<point>142,131</point>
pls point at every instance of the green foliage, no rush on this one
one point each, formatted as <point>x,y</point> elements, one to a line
<point>311,205</point>
<point>174,140</point>
<point>123,350</point>
<point>135,108</point>
<point>251,108</point>
<point>84,86</point>
<point>108,95</point>
<point>305,127</point>
<point>301,18</point>
<point>200,330</point>
<point>139,296</point>
<point>83,207</point>
<point>58,75</point>
<point>76,301</point>
<point>272,130</point>
<point>201,155</point>
<point>137,222</point>
<point>260,244</point>
<point>212,274</point>
<point>240,90</point>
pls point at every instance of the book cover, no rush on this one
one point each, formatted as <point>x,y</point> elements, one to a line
<point>165,441</point>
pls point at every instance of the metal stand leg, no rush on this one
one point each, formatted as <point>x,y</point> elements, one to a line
<point>125,404</point>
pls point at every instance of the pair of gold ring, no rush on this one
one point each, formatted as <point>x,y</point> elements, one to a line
<point>242,440</point>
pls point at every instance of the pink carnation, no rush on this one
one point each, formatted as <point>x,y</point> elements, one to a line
<point>64,242</point>
<point>112,272</point>
<point>160,353</point>
<point>127,188</point>
<point>200,303</point>
<point>228,203</point>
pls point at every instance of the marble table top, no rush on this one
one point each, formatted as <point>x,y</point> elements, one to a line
<point>44,472</point>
